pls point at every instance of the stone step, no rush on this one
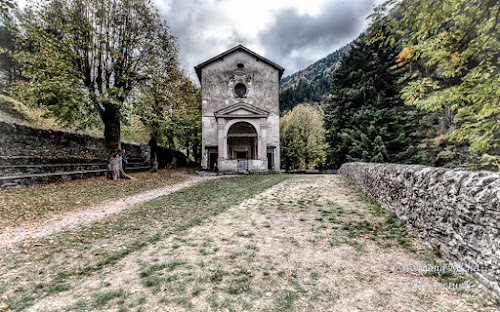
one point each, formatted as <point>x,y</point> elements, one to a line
<point>33,179</point>
<point>13,181</point>
<point>138,168</point>
<point>17,170</point>
<point>6,161</point>
<point>3,178</point>
<point>37,160</point>
<point>22,170</point>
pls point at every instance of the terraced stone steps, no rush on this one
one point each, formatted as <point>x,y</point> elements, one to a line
<point>26,171</point>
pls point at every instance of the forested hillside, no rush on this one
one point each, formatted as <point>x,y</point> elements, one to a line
<point>312,84</point>
<point>421,86</point>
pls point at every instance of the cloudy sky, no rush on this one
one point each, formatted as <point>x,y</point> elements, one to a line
<point>292,33</point>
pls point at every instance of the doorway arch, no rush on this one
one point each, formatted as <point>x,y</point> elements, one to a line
<point>242,141</point>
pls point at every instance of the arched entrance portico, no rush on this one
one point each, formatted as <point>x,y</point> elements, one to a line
<point>242,141</point>
<point>242,138</point>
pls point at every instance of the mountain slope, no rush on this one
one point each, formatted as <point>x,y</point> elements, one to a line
<point>311,84</point>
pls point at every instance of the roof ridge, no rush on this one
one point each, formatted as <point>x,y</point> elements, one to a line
<point>238,47</point>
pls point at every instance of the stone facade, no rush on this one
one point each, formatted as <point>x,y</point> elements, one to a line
<point>458,211</point>
<point>240,112</point>
<point>30,156</point>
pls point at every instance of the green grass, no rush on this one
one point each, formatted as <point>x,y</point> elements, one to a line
<point>34,203</point>
<point>239,285</point>
<point>245,234</point>
<point>169,267</point>
<point>58,287</point>
<point>102,298</point>
<point>285,300</point>
<point>98,301</point>
<point>357,228</point>
<point>391,229</point>
<point>373,205</point>
<point>359,247</point>
<point>70,255</point>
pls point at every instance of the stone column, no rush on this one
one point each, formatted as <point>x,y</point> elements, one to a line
<point>222,149</point>
<point>263,142</point>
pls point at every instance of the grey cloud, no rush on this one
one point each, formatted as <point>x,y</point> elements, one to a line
<point>293,36</point>
<point>188,20</point>
<point>292,40</point>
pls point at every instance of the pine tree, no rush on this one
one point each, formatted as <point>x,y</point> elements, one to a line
<point>366,119</point>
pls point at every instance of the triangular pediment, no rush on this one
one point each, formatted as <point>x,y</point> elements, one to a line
<point>241,110</point>
<point>238,48</point>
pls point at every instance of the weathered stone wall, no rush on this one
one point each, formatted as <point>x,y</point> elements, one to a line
<point>455,210</point>
<point>31,156</point>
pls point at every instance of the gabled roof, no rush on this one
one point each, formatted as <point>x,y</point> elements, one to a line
<point>236,48</point>
<point>232,111</point>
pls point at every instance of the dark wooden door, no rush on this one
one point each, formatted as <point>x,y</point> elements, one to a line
<point>212,160</point>
<point>270,161</point>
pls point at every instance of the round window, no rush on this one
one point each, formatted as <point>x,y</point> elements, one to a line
<point>240,90</point>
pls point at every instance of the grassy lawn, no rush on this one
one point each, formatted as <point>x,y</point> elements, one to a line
<point>37,269</point>
<point>33,203</point>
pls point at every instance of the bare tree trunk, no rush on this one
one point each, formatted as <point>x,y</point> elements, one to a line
<point>113,147</point>
<point>115,169</point>
<point>114,165</point>
<point>154,155</point>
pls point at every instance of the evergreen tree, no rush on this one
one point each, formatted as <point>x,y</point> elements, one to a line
<point>366,119</point>
<point>454,47</point>
<point>8,67</point>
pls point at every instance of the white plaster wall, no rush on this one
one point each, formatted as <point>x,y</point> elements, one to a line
<point>209,128</point>
<point>273,130</point>
<point>273,138</point>
<point>257,165</point>
<point>209,137</point>
<point>228,165</point>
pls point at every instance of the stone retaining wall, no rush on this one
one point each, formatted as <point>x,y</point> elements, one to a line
<point>456,210</point>
<point>31,156</point>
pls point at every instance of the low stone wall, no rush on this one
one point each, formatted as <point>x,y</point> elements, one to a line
<point>31,156</point>
<point>455,210</point>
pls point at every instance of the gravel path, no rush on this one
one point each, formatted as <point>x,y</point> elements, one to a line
<point>63,221</point>
<point>288,248</point>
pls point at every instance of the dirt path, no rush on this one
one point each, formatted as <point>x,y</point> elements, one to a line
<point>63,221</point>
<point>306,244</point>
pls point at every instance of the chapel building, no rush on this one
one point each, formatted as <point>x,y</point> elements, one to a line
<point>240,112</point>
